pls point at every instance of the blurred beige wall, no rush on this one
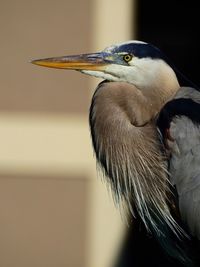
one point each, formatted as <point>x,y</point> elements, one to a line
<point>53,209</point>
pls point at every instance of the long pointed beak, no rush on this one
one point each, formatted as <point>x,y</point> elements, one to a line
<point>94,61</point>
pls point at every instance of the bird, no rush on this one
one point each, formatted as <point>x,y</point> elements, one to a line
<point>145,128</point>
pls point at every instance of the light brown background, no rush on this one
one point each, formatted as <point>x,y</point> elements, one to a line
<point>32,29</point>
<point>53,210</point>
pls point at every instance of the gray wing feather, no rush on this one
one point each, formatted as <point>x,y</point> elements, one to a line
<point>184,165</point>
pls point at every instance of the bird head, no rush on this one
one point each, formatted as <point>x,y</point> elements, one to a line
<point>134,62</point>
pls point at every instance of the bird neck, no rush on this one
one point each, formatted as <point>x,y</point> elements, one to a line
<point>129,155</point>
<point>138,105</point>
<point>157,85</point>
<point>160,87</point>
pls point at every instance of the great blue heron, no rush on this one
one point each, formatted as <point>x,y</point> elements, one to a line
<point>152,162</point>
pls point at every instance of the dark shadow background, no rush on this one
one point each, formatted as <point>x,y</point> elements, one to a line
<point>172,26</point>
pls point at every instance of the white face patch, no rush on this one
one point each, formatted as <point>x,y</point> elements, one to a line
<point>141,72</point>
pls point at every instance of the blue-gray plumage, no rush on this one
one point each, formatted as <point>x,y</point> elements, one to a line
<point>143,167</point>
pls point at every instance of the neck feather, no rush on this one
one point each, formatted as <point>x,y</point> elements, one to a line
<point>131,157</point>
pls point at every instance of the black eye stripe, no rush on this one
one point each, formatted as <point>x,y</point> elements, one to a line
<point>140,50</point>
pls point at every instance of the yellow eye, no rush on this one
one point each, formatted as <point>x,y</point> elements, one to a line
<point>127,57</point>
